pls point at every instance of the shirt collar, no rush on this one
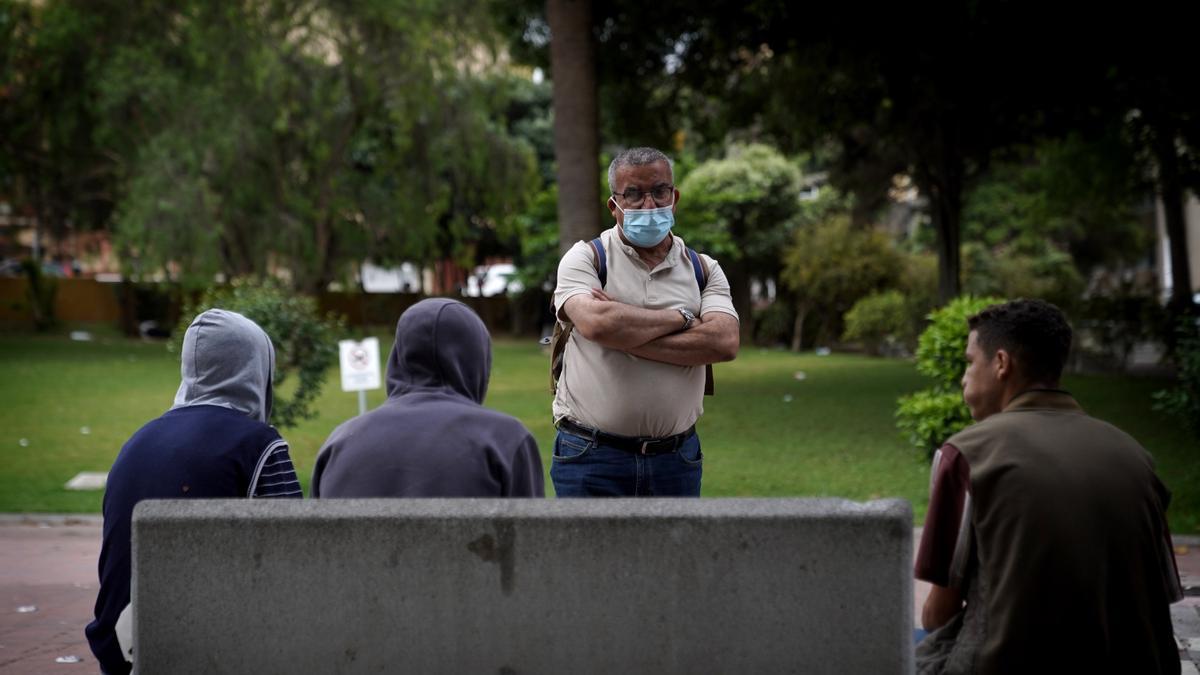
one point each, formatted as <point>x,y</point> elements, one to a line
<point>673,256</point>
<point>1043,399</point>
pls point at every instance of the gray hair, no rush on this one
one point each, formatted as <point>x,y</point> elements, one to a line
<point>637,157</point>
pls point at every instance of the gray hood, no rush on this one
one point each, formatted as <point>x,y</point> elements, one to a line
<point>440,344</point>
<point>227,360</point>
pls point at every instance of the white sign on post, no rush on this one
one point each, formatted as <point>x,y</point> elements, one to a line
<point>360,368</point>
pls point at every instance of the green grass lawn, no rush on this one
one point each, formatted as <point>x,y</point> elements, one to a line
<point>765,433</point>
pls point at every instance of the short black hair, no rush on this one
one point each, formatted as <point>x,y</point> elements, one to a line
<point>1035,332</point>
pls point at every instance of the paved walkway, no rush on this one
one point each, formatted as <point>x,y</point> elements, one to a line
<point>48,584</point>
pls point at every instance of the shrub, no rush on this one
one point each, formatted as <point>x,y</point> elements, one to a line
<point>881,321</point>
<point>773,324</point>
<point>305,342</point>
<point>1183,400</point>
<point>1035,271</point>
<point>919,284</point>
<point>831,265</point>
<point>927,418</point>
<point>930,416</point>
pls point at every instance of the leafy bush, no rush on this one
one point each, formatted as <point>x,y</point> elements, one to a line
<point>773,324</point>
<point>881,321</point>
<point>830,265</point>
<point>741,207</point>
<point>919,284</point>
<point>927,418</point>
<point>1030,271</point>
<point>1183,400</point>
<point>305,342</point>
<point>930,416</point>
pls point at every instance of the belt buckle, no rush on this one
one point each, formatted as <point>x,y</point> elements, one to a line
<point>644,444</point>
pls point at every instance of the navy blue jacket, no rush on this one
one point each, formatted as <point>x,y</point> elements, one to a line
<point>215,442</point>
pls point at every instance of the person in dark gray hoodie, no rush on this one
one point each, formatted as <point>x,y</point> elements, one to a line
<point>433,437</point>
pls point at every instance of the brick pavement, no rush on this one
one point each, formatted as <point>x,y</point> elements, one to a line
<point>48,563</point>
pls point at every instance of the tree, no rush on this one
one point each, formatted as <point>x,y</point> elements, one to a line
<point>741,209</point>
<point>285,137</point>
<point>898,95</point>
<point>1077,194</point>
<point>1150,88</point>
<point>576,136</point>
<point>305,342</point>
<point>51,167</point>
<point>830,265</point>
<point>602,58</point>
<point>934,91</point>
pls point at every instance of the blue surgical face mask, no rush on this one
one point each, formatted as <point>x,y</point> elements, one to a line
<point>645,228</point>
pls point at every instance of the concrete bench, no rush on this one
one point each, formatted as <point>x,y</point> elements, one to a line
<point>523,586</point>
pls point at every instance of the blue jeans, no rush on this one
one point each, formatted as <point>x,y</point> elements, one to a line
<point>584,468</point>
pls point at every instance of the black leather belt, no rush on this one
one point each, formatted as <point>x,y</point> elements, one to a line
<point>642,445</point>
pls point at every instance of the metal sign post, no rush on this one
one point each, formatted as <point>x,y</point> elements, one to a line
<point>360,368</point>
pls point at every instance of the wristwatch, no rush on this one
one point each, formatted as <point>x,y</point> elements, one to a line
<point>688,319</point>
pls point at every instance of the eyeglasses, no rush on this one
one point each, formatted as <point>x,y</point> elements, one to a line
<point>661,194</point>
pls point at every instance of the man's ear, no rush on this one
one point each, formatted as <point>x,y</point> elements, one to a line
<point>612,208</point>
<point>1002,362</point>
<point>676,204</point>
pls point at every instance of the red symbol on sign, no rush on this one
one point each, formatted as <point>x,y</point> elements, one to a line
<point>358,358</point>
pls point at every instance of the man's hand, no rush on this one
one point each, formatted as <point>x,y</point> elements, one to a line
<point>616,325</point>
<point>941,606</point>
<point>712,338</point>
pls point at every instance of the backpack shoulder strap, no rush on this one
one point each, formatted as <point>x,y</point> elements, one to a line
<point>600,259</point>
<point>701,271</point>
<point>563,329</point>
<point>699,268</point>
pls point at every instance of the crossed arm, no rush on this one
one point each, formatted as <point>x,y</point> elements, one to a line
<point>654,333</point>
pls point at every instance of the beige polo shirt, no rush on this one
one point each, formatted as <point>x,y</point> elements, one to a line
<point>616,392</point>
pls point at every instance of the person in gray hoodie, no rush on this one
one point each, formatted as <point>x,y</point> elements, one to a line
<point>215,441</point>
<point>433,437</point>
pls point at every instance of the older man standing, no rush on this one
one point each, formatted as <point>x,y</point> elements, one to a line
<point>648,317</point>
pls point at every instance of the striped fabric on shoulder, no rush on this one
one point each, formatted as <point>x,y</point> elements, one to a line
<point>275,475</point>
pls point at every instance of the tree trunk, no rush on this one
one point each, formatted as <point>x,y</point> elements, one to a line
<point>941,175</point>
<point>943,183</point>
<point>798,328</point>
<point>1171,192</point>
<point>326,252</point>
<point>576,142</point>
<point>947,216</point>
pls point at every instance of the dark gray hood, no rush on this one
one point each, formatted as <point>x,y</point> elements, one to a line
<point>440,344</point>
<point>227,360</point>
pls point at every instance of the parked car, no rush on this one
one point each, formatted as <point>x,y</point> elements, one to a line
<point>489,280</point>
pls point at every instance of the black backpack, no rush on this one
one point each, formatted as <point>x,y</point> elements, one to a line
<point>563,328</point>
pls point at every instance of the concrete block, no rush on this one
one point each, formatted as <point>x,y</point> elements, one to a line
<point>523,586</point>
